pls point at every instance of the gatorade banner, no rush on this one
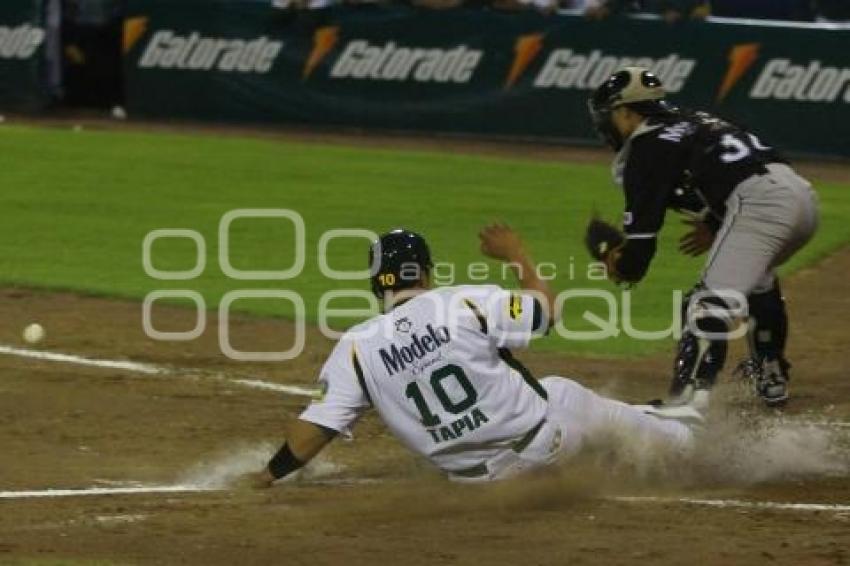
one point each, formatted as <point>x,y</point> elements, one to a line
<point>473,71</point>
<point>22,35</point>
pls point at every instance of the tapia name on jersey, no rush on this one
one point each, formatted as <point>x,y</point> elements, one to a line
<point>467,423</point>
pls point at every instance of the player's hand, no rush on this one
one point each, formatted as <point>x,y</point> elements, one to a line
<point>499,241</point>
<point>255,480</point>
<point>698,241</point>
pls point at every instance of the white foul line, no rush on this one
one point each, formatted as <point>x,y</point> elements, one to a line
<point>720,503</point>
<point>90,491</point>
<point>740,504</point>
<point>104,491</point>
<point>81,361</point>
<point>269,386</point>
<point>151,369</point>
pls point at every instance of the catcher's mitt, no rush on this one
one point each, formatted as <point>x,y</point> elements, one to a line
<point>601,238</point>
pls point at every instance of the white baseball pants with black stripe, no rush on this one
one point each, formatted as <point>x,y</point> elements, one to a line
<point>576,418</point>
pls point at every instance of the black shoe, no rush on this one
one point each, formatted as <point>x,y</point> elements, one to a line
<point>749,370</point>
<point>772,384</point>
<point>769,378</point>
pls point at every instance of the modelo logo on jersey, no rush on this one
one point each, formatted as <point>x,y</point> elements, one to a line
<point>20,42</point>
<point>390,62</point>
<point>567,69</point>
<point>780,79</point>
<point>194,52</point>
<point>397,358</point>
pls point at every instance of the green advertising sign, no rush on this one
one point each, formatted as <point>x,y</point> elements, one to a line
<point>22,83</point>
<point>474,71</point>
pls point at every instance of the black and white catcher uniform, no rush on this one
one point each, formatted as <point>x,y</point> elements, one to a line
<point>762,211</point>
<point>439,371</point>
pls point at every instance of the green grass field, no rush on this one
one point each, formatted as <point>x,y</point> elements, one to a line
<point>77,205</point>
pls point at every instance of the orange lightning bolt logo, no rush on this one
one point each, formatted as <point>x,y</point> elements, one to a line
<point>526,49</point>
<point>324,40</point>
<point>741,58</point>
<point>134,29</point>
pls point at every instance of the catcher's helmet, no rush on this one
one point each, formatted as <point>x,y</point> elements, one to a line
<point>397,260</point>
<point>634,87</point>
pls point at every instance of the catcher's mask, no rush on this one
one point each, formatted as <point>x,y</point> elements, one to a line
<point>633,87</point>
<point>397,260</point>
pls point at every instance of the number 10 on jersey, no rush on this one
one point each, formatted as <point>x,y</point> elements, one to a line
<point>466,423</point>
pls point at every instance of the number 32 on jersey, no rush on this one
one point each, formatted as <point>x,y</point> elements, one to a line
<point>737,147</point>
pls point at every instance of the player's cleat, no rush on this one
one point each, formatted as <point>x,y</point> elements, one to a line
<point>697,398</point>
<point>685,414</point>
<point>769,379</point>
<point>748,370</point>
<point>697,364</point>
<point>690,414</point>
<point>772,384</point>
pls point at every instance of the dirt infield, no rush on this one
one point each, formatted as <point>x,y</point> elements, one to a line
<point>369,502</point>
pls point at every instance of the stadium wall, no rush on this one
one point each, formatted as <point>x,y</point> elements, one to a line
<point>23,81</point>
<point>470,71</point>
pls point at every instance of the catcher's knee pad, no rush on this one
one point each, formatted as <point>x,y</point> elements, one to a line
<point>768,327</point>
<point>702,349</point>
<point>711,314</point>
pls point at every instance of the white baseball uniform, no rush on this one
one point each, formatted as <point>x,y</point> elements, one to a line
<point>439,371</point>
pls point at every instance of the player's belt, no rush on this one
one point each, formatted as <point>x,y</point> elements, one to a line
<point>518,446</point>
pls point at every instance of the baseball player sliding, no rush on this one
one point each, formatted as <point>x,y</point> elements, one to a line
<point>756,212</point>
<point>438,369</point>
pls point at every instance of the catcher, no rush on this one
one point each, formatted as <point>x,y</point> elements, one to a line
<point>438,370</point>
<point>752,213</point>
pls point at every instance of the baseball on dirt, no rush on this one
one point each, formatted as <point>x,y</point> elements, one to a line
<point>34,333</point>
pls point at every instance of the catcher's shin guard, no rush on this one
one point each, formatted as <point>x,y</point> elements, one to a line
<point>768,330</point>
<point>767,334</point>
<point>703,346</point>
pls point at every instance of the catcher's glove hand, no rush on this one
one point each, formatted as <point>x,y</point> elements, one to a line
<point>602,238</point>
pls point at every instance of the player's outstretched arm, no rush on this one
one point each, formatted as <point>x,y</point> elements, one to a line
<point>303,441</point>
<point>499,241</point>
